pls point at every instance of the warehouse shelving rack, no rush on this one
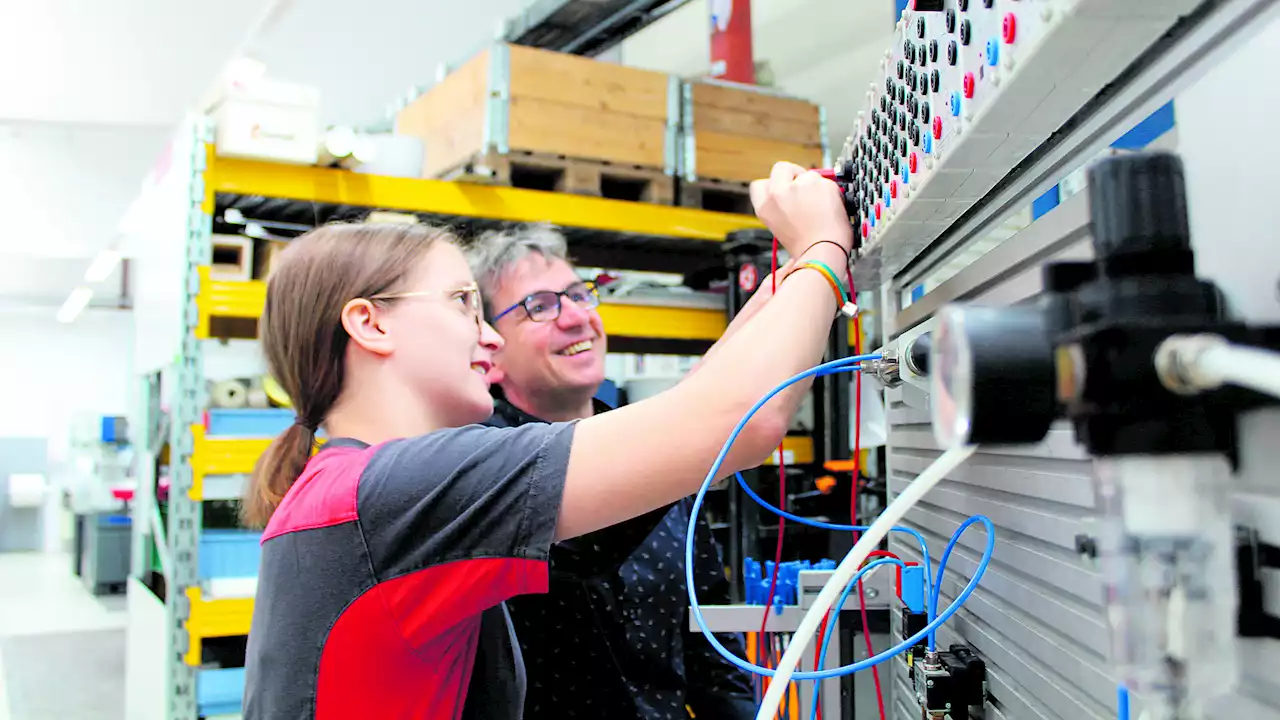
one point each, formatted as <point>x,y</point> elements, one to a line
<point>601,232</point>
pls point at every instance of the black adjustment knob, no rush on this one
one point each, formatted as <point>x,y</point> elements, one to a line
<point>901,68</point>
<point>953,53</point>
<point>964,5</point>
<point>924,113</point>
<point>933,51</point>
<point>935,80</point>
<point>988,4</point>
<point>902,121</point>
<point>902,95</point>
<point>920,27</point>
<point>966,32</point>
<point>951,21</point>
<point>1139,209</point>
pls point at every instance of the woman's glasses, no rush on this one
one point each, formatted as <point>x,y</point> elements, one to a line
<point>468,295</point>
<point>544,306</point>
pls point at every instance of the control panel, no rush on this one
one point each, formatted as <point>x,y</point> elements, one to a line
<point>968,90</point>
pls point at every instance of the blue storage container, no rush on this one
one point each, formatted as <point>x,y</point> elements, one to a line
<point>254,422</point>
<point>229,554</point>
<point>219,692</point>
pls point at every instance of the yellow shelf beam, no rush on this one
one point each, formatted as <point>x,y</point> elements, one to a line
<point>662,323</point>
<point>295,182</point>
<point>214,618</point>
<point>221,456</point>
<point>228,299</point>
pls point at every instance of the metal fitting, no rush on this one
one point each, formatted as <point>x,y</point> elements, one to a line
<point>1176,362</point>
<point>885,369</point>
<point>931,661</point>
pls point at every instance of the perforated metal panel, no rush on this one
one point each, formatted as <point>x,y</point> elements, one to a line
<point>1038,618</point>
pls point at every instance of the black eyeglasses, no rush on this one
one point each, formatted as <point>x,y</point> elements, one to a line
<point>545,306</point>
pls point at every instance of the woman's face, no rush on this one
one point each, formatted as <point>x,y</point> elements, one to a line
<point>443,347</point>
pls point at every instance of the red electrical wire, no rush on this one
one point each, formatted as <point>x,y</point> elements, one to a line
<point>857,472</point>
<point>782,483</point>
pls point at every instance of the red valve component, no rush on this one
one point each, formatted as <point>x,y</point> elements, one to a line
<point>968,85</point>
<point>937,127</point>
<point>877,211</point>
<point>866,229</point>
<point>913,162</point>
<point>827,173</point>
<point>1010,28</point>
<point>893,189</point>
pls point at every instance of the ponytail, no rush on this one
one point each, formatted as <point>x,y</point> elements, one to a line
<point>275,472</point>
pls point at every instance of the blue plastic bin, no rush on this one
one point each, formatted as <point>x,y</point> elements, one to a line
<point>219,692</point>
<point>264,422</point>
<point>229,554</point>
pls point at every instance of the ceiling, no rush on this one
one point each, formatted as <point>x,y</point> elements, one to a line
<point>101,86</point>
<point>108,83</point>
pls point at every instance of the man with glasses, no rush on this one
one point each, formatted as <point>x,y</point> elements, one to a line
<point>610,639</point>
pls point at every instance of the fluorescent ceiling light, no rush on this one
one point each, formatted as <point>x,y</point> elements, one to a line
<point>75,303</point>
<point>102,266</point>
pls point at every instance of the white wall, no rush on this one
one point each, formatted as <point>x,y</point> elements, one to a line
<point>827,51</point>
<point>51,373</point>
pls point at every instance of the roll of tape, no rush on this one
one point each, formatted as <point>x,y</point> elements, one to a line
<point>258,398</point>
<point>229,394</point>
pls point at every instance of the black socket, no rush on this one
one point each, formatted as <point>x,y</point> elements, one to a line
<point>951,20</point>
<point>911,53</point>
<point>953,53</point>
<point>902,95</point>
<point>933,51</point>
<point>902,121</point>
<point>884,103</point>
<point>920,27</point>
<point>911,81</point>
<point>966,32</point>
<point>903,148</point>
<point>924,112</point>
<point>901,69</point>
<point>935,80</point>
<point>924,87</point>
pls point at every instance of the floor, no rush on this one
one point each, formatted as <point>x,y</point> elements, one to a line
<point>61,648</point>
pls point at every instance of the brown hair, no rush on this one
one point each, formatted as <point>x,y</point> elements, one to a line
<point>302,336</point>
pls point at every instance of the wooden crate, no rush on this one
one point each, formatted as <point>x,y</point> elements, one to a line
<point>519,100</point>
<point>735,133</point>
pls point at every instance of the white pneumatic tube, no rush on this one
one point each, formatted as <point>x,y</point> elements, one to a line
<point>1246,367</point>
<point>1194,363</point>
<point>869,541</point>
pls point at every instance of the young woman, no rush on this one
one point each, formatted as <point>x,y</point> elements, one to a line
<point>388,553</point>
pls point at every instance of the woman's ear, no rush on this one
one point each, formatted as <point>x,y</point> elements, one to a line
<point>363,322</point>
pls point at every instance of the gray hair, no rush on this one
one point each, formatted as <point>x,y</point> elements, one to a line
<point>495,252</point>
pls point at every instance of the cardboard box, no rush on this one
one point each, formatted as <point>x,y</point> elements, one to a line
<point>268,120</point>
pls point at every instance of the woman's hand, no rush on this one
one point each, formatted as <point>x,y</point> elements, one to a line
<point>801,208</point>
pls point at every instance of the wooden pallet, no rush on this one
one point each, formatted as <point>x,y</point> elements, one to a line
<point>717,195</point>
<point>558,173</point>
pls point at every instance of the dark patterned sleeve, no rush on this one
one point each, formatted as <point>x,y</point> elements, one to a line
<point>718,690</point>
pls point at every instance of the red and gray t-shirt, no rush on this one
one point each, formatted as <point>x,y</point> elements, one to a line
<point>384,571</point>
